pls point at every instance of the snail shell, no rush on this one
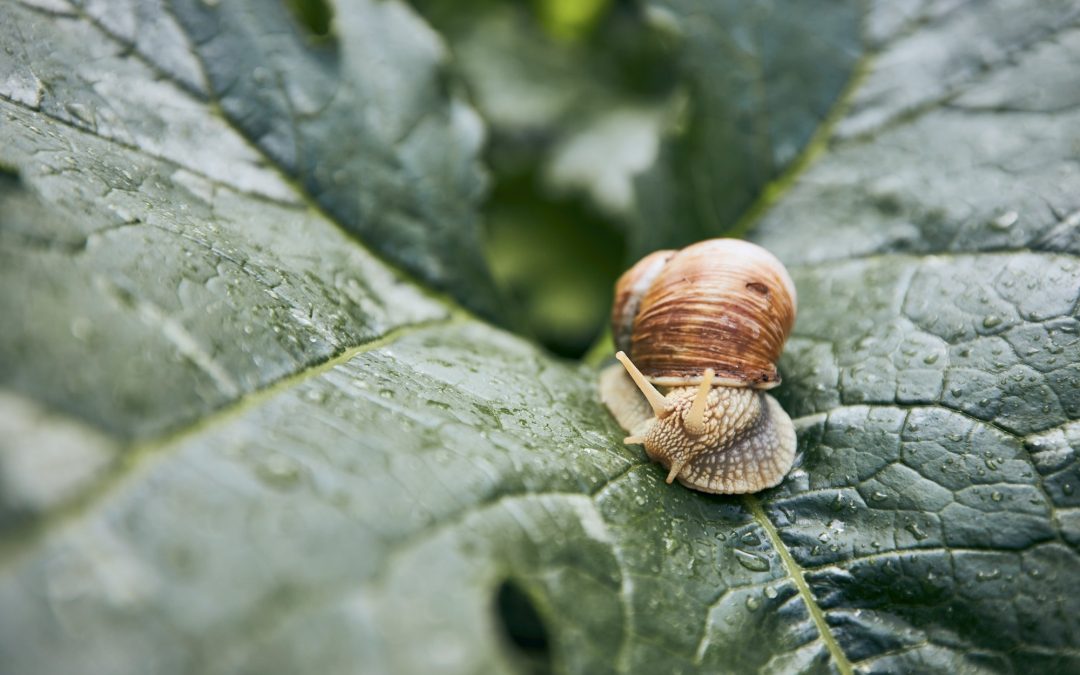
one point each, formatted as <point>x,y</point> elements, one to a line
<point>724,304</point>
<point>708,324</point>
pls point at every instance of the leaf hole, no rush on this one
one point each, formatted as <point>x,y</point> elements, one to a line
<point>316,16</point>
<point>523,628</point>
<point>8,175</point>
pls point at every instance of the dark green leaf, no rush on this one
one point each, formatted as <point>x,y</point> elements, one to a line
<point>232,440</point>
<point>362,120</point>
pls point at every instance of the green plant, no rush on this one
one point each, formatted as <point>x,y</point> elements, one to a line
<point>246,424</point>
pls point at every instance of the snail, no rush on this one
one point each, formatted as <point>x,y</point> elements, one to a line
<point>707,323</point>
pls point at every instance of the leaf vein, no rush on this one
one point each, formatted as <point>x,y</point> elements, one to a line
<point>796,574</point>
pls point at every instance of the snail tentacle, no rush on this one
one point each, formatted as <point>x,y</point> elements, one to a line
<point>660,405</point>
<point>695,419</point>
<point>676,469</point>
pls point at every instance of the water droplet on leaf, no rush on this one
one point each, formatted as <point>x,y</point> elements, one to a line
<point>751,561</point>
<point>280,471</point>
<point>915,531</point>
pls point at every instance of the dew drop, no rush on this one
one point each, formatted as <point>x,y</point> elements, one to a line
<point>751,561</point>
<point>280,471</point>
<point>1005,220</point>
<point>996,496</point>
<point>81,328</point>
<point>752,602</point>
<point>988,576</point>
<point>991,321</point>
<point>751,539</point>
<point>916,531</point>
<point>770,593</point>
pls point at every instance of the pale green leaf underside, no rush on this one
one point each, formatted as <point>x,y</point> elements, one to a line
<point>281,456</point>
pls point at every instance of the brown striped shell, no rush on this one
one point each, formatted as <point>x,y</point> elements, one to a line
<point>724,304</point>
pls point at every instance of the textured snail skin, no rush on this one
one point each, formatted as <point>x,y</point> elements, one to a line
<point>758,452</point>
<point>748,444</point>
<point>709,323</point>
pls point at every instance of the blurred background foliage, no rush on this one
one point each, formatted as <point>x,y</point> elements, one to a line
<point>619,127</point>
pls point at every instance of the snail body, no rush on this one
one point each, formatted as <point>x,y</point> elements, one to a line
<point>707,323</point>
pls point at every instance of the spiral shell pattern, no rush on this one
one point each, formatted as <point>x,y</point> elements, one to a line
<point>721,303</point>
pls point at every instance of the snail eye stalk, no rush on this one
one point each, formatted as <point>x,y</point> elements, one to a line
<point>695,419</point>
<point>660,405</point>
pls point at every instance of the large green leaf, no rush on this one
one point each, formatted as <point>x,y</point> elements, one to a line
<point>232,440</point>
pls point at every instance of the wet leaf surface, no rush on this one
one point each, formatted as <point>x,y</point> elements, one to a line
<point>233,440</point>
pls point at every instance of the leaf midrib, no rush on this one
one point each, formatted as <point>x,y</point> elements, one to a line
<point>796,574</point>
